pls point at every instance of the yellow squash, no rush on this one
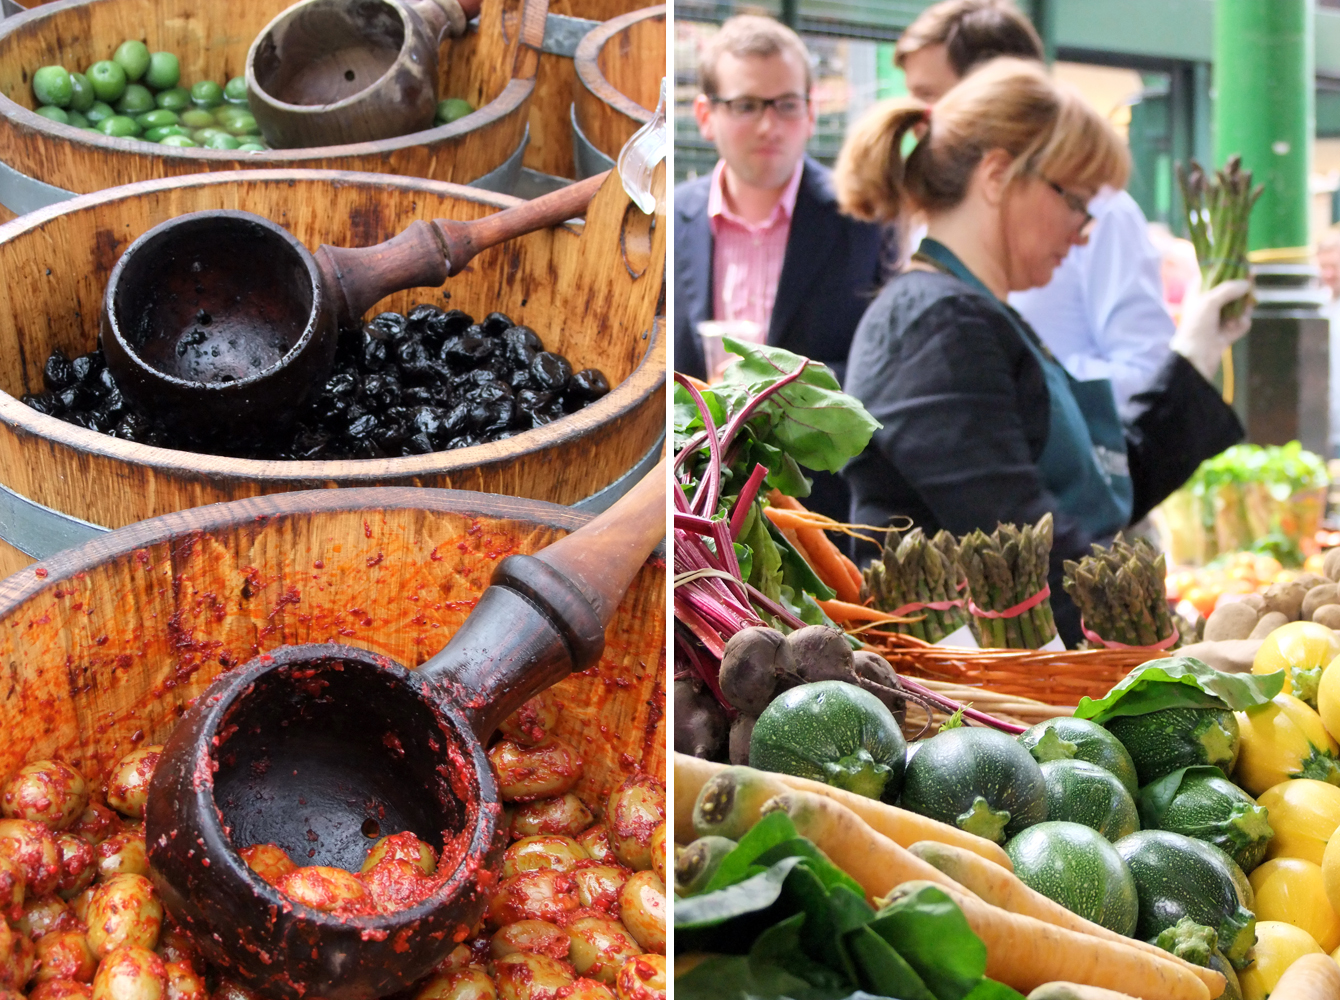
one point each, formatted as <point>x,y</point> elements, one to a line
<point>1330,871</point>
<point>1303,813</point>
<point>1328,697</point>
<point>1291,890</point>
<point>1278,946</point>
<point>1282,740</point>
<point>1302,650</point>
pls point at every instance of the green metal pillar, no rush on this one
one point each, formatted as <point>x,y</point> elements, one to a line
<point>1264,65</point>
<point>1043,15</point>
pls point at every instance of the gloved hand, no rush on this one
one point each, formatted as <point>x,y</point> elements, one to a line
<point>1201,337</point>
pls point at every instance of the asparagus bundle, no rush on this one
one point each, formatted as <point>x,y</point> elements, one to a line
<point>1120,592</point>
<point>914,571</point>
<point>1005,569</point>
<point>1217,213</point>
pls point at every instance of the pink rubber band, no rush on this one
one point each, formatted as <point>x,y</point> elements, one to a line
<point>933,606</point>
<point>1015,611</point>
<point>1093,636</point>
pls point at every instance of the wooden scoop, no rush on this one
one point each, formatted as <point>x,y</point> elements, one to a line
<point>222,323</point>
<point>321,748</point>
<point>332,72</point>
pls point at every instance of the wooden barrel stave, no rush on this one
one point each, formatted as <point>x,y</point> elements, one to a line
<point>618,84</point>
<point>571,283</point>
<point>112,639</point>
<point>494,68</point>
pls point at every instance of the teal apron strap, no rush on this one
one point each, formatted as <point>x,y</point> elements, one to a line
<point>1084,462</point>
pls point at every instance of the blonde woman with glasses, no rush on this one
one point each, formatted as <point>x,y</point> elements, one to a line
<point>981,425</point>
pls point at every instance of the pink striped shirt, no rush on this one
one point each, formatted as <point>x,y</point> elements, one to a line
<point>747,258</point>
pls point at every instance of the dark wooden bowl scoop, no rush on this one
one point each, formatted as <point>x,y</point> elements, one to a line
<point>334,72</point>
<point>221,322</point>
<point>320,748</point>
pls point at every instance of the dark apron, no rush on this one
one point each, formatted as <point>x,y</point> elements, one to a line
<point>1083,463</point>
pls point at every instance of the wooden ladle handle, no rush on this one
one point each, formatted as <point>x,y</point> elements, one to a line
<point>426,254</point>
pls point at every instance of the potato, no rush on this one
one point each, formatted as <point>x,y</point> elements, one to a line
<point>1233,656</point>
<point>33,847</point>
<point>598,886</point>
<point>641,977</point>
<point>544,894</point>
<point>1328,615</point>
<point>323,888</point>
<point>405,847</point>
<point>128,784</point>
<point>595,840</point>
<point>124,911</point>
<point>524,976</point>
<point>1286,598</point>
<point>531,853</point>
<point>539,937</point>
<point>741,732</point>
<point>634,811</point>
<point>48,791</point>
<point>822,654</point>
<point>600,946</point>
<point>753,660</point>
<point>269,861</point>
<point>65,955</point>
<point>1269,621</point>
<point>130,974</point>
<point>471,983</point>
<point>1330,565</point>
<point>1318,597</point>
<point>532,722</point>
<point>566,815</point>
<point>540,772</point>
<point>1310,580</point>
<point>642,908</point>
<point>1230,621</point>
<point>78,864</point>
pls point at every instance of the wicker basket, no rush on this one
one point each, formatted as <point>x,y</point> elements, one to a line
<point>1055,679</point>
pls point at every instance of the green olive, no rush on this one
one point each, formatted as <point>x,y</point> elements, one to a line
<point>451,109</point>
<point>135,101</point>
<point>156,118</point>
<point>54,113</point>
<point>197,118</point>
<point>133,57</point>
<point>207,94</point>
<point>108,79</point>
<point>81,92</point>
<point>235,90</point>
<point>178,140</point>
<point>173,99</point>
<point>251,147</point>
<point>97,111</point>
<point>164,71</point>
<point>161,132</point>
<point>119,126</point>
<point>252,140</point>
<point>241,125</point>
<point>52,86</point>
<point>76,119</point>
<point>221,140</point>
<point>203,135</point>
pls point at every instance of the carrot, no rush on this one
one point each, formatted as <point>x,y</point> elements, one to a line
<point>826,559</point>
<point>737,793</point>
<point>841,611</point>
<point>1026,953</point>
<point>1075,991</point>
<point>691,773</point>
<point>872,859</point>
<point>1312,977</point>
<point>1003,889</point>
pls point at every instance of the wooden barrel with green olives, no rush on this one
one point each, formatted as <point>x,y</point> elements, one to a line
<point>589,291</point>
<point>569,21</point>
<point>106,644</point>
<point>76,79</point>
<point>619,69</point>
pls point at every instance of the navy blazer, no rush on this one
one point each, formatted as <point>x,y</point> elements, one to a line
<point>830,274</point>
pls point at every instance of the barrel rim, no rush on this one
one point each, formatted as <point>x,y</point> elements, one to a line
<point>513,96</point>
<point>586,61</point>
<point>212,518</point>
<point>621,403</point>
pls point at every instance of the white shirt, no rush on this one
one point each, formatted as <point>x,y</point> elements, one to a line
<point>1102,314</point>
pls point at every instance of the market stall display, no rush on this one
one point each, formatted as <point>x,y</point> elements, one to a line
<point>619,69</point>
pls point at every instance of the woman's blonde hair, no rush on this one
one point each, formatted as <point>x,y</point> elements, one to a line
<point>1011,104</point>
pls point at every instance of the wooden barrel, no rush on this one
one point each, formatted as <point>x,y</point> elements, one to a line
<point>619,70</point>
<point>105,644</point>
<point>590,290</point>
<point>42,162</point>
<point>569,21</point>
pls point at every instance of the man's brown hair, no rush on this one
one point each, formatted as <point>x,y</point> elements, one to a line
<point>972,32</point>
<point>750,35</point>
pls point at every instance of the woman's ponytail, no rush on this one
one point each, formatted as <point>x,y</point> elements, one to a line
<point>869,175</point>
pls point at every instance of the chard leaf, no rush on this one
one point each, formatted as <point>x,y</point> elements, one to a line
<point>883,970</point>
<point>930,931</point>
<point>772,829</point>
<point>1180,682</point>
<point>1156,798</point>
<point>750,895</point>
<point>739,977</point>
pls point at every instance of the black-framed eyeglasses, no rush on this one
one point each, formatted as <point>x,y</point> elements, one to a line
<point>789,107</point>
<point>1075,203</point>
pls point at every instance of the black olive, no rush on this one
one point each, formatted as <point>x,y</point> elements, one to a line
<point>415,363</point>
<point>343,384</point>
<point>393,429</point>
<point>521,345</point>
<point>529,400</point>
<point>105,383</point>
<point>372,351</point>
<point>367,448</point>
<point>495,323</point>
<point>551,371</point>
<point>58,373</point>
<point>444,394</point>
<point>425,320</point>
<point>72,398</point>
<point>388,325</point>
<point>362,426</point>
<point>417,395</point>
<point>418,444</point>
<point>43,402</point>
<point>83,418</point>
<point>521,378</point>
<point>87,366</point>
<point>585,386</point>
<point>309,443</point>
<point>132,427</point>
<point>466,351</point>
<point>379,392</point>
<point>465,441</point>
<point>472,380</point>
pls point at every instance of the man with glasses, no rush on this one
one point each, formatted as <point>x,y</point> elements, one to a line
<point>1102,314</point>
<point>761,238</point>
